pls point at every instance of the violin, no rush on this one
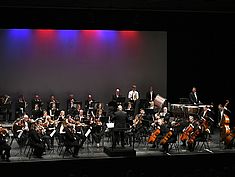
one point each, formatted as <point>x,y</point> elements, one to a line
<point>3,131</point>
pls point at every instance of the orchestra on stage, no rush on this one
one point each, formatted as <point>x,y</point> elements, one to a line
<point>153,121</point>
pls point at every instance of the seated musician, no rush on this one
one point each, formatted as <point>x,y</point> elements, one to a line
<point>97,131</point>
<point>50,127</point>
<point>187,130</point>
<point>138,126</point>
<point>170,136</point>
<point>70,140</point>
<point>21,129</point>
<point>5,148</point>
<point>35,141</point>
<point>37,112</point>
<point>41,130</point>
<point>159,129</point>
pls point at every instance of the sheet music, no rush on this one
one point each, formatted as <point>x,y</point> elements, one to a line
<point>88,132</point>
<point>52,133</point>
<point>21,132</point>
<point>110,125</point>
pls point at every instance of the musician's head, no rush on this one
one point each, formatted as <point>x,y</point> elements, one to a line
<point>191,118</point>
<point>119,108</point>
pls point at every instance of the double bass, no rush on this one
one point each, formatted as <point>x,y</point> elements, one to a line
<point>225,124</point>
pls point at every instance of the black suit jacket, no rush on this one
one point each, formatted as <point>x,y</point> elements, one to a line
<point>148,96</point>
<point>193,99</point>
<point>120,120</point>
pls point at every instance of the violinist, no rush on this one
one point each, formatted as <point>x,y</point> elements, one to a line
<point>37,112</point>
<point>21,129</point>
<point>41,130</point>
<point>50,127</point>
<point>70,140</point>
<point>36,141</point>
<point>5,148</point>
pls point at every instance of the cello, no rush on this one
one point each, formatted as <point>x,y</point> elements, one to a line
<point>165,139</point>
<point>154,135</point>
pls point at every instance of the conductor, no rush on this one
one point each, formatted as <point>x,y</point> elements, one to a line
<point>120,121</point>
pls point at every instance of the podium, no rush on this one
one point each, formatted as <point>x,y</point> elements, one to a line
<point>126,151</point>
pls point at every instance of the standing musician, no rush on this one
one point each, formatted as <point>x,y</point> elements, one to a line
<point>37,100</point>
<point>133,96</point>
<point>53,106</point>
<point>224,120</point>
<point>21,106</point>
<point>150,96</point>
<point>193,97</point>
<point>208,119</point>
<point>5,148</point>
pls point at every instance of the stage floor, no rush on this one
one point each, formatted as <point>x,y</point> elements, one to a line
<point>90,151</point>
<point>94,161</point>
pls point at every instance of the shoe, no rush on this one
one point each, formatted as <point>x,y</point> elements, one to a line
<point>75,156</point>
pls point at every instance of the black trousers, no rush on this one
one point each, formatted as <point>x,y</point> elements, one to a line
<point>118,136</point>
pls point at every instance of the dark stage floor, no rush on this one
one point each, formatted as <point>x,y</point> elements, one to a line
<point>213,160</point>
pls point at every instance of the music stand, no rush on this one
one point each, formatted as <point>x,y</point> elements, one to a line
<point>104,119</point>
<point>76,103</point>
<point>121,100</point>
<point>149,111</point>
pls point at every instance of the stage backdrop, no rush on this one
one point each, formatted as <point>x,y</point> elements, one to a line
<point>61,62</point>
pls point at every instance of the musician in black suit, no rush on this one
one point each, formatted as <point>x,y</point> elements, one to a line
<point>150,94</point>
<point>36,141</point>
<point>120,123</point>
<point>70,139</point>
<point>193,97</point>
